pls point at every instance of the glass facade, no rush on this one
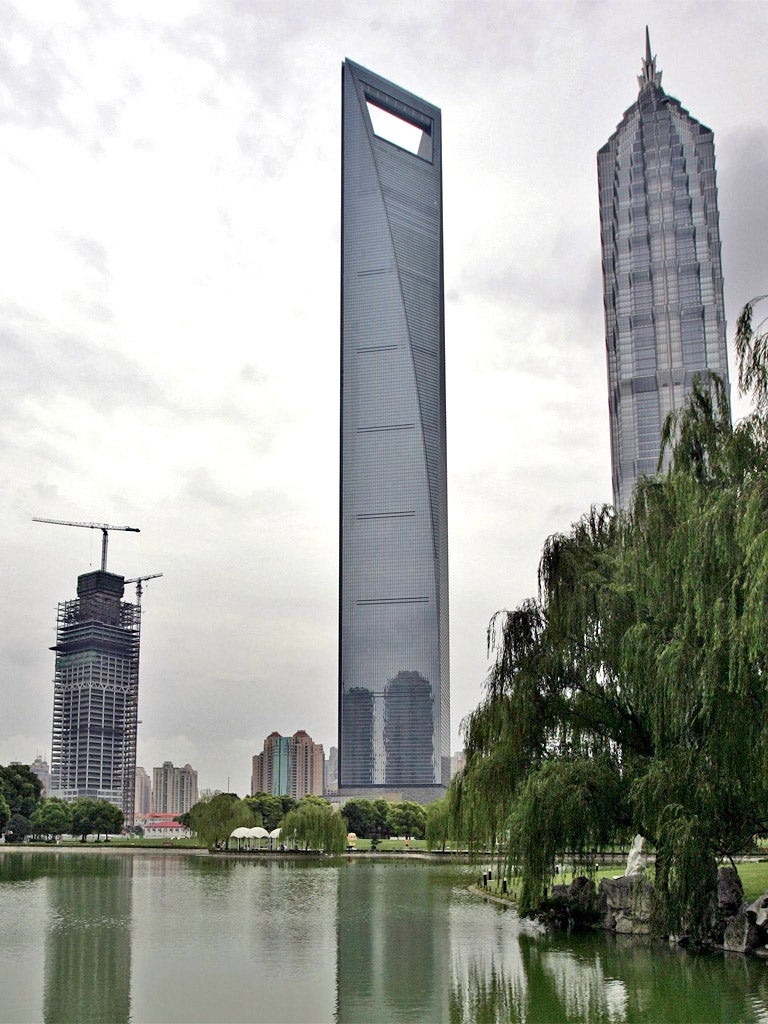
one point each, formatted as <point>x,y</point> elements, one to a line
<point>394,706</point>
<point>662,276</point>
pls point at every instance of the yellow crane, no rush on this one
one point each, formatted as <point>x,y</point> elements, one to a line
<point>104,527</point>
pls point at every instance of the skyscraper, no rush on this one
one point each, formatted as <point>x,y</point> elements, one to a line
<point>96,689</point>
<point>662,277</point>
<point>393,587</point>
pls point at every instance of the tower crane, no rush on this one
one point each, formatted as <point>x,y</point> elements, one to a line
<point>104,527</point>
<point>138,580</point>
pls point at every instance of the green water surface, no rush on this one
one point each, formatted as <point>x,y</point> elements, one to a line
<point>155,937</point>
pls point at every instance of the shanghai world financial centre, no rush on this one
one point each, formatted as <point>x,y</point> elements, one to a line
<point>394,709</point>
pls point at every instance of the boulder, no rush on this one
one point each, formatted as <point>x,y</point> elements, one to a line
<point>757,912</point>
<point>730,891</point>
<point>624,904</point>
<point>637,860</point>
<point>570,907</point>
<point>741,935</point>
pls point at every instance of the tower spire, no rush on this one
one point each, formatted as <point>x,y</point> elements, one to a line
<point>650,75</point>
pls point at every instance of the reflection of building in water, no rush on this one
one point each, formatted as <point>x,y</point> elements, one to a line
<point>357,731</point>
<point>408,730</point>
<point>88,942</point>
<point>393,944</point>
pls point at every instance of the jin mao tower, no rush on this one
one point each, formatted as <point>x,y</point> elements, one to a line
<point>662,276</point>
<point>393,590</point>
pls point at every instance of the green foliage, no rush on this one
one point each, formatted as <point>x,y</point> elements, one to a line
<point>215,818</point>
<point>268,810</point>
<point>5,812</point>
<point>361,817</point>
<point>630,695</point>
<point>95,816</point>
<point>408,819</point>
<point>439,825</point>
<point>314,825</point>
<point>21,788</point>
<point>52,818</point>
<point>380,819</point>
<point>17,828</point>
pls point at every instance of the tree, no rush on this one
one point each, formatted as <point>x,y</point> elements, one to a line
<point>315,825</point>
<point>17,828</point>
<point>269,810</point>
<point>408,819</point>
<point>21,788</point>
<point>52,818</point>
<point>360,818</point>
<point>380,822</point>
<point>5,812</point>
<point>215,819</point>
<point>439,827</point>
<point>95,816</point>
<point>630,695</point>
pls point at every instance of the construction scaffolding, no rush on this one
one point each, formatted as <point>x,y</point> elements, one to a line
<point>96,692</point>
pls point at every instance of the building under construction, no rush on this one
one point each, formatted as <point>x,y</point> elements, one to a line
<point>96,690</point>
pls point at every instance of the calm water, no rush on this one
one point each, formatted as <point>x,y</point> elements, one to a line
<point>154,938</point>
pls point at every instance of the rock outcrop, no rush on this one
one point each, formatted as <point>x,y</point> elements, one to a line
<point>624,904</point>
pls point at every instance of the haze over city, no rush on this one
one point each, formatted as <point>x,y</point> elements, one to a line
<point>171,324</point>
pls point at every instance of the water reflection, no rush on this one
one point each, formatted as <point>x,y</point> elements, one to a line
<point>88,942</point>
<point>393,943</point>
<point>607,979</point>
<point>177,938</point>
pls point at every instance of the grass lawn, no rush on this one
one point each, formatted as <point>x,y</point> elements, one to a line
<point>753,875</point>
<point>387,845</point>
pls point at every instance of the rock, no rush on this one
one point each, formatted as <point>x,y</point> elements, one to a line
<point>730,891</point>
<point>570,907</point>
<point>582,902</point>
<point>758,912</point>
<point>741,935</point>
<point>624,904</point>
<point>637,860</point>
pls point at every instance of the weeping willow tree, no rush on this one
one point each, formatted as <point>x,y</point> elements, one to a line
<point>314,826</point>
<point>630,695</point>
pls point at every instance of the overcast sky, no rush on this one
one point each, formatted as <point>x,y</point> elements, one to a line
<point>169,280</point>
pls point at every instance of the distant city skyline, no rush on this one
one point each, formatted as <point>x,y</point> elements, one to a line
<point>662,272</point>
<point>170,324</point>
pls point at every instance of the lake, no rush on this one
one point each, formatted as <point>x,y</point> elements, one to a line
<point>140,937</point>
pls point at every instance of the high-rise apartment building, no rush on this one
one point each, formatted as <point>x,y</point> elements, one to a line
<point>42,770</point>
<point>289,766</point>
<point>96,689</point>
<point>143,792</point>
<point>394,701</point>
<point>174,790</point>
<point>662,276</point>
<point>331,778</point>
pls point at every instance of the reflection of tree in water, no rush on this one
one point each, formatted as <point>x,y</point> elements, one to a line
<point>608,980</point>
<point>88,941</point>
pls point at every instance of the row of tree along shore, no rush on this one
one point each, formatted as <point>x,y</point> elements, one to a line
<point>25,813</point>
